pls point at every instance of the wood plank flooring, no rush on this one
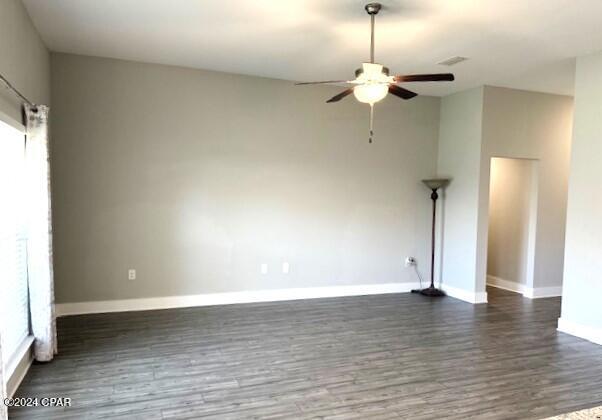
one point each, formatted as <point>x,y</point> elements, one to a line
<point>371,357</point>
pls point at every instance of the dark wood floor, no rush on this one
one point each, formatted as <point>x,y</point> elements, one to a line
<point>373,357</point>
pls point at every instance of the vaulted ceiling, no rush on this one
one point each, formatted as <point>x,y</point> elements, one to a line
<point>527,44</point>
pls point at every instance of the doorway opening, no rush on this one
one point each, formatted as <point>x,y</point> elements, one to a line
<point>513,204</point>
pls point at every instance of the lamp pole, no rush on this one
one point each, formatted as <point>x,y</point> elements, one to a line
<point>434,197</point>
<point>433,185</point>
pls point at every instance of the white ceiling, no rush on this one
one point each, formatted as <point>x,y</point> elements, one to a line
<point>527,44</point>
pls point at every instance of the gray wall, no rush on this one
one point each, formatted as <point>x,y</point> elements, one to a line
<point>196,178</point>
<point>582,294</point>
<point>24,60</point>
<point>459,157</point>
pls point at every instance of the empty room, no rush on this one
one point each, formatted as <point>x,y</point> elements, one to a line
<point>300,209</point>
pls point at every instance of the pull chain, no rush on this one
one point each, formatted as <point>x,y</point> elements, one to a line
<point>371,123</point>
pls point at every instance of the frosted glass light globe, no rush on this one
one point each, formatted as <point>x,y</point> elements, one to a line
<point>370,93</point>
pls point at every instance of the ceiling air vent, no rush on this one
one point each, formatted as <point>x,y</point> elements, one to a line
<point>453,60</point>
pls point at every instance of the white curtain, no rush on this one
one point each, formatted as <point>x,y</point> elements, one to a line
<point>39,235</point>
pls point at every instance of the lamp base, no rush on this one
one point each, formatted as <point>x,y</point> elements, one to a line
<point>430,291</point>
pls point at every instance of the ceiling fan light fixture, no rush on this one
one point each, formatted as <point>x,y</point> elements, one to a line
<point>372,83</point>
<point>370,93</point>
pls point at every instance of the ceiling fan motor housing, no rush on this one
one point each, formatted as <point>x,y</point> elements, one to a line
<point>360,71</point>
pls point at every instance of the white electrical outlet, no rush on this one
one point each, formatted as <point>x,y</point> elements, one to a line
<point>410,261</point>
<point>131,274</point>
<point>264,268</point>
<point>286,267</point>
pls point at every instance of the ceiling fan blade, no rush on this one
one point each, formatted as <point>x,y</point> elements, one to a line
<point>321,83</point>
<point>439,77</point>
<point>401,92</point>
<point>340,96</point>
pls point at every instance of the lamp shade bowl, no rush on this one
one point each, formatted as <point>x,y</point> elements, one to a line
<point>436,183</point>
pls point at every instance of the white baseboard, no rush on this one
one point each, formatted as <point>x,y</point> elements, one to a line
<point>210,299</point>
<point>582,331</point>
<point>528,292</point>
<point>500,283</point>
<point>543,292</point>
<point>465,295</point>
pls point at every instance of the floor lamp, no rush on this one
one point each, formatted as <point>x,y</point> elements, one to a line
<point>433,185</point>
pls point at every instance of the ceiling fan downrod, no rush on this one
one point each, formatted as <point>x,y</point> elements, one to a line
<point>372,9</point>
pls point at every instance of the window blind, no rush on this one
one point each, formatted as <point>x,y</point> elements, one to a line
<point>14,298</point>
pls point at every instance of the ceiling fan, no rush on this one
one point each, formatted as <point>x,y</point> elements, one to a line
<point>372,82</point>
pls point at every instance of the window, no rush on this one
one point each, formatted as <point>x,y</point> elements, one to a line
<point>14,297</point>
